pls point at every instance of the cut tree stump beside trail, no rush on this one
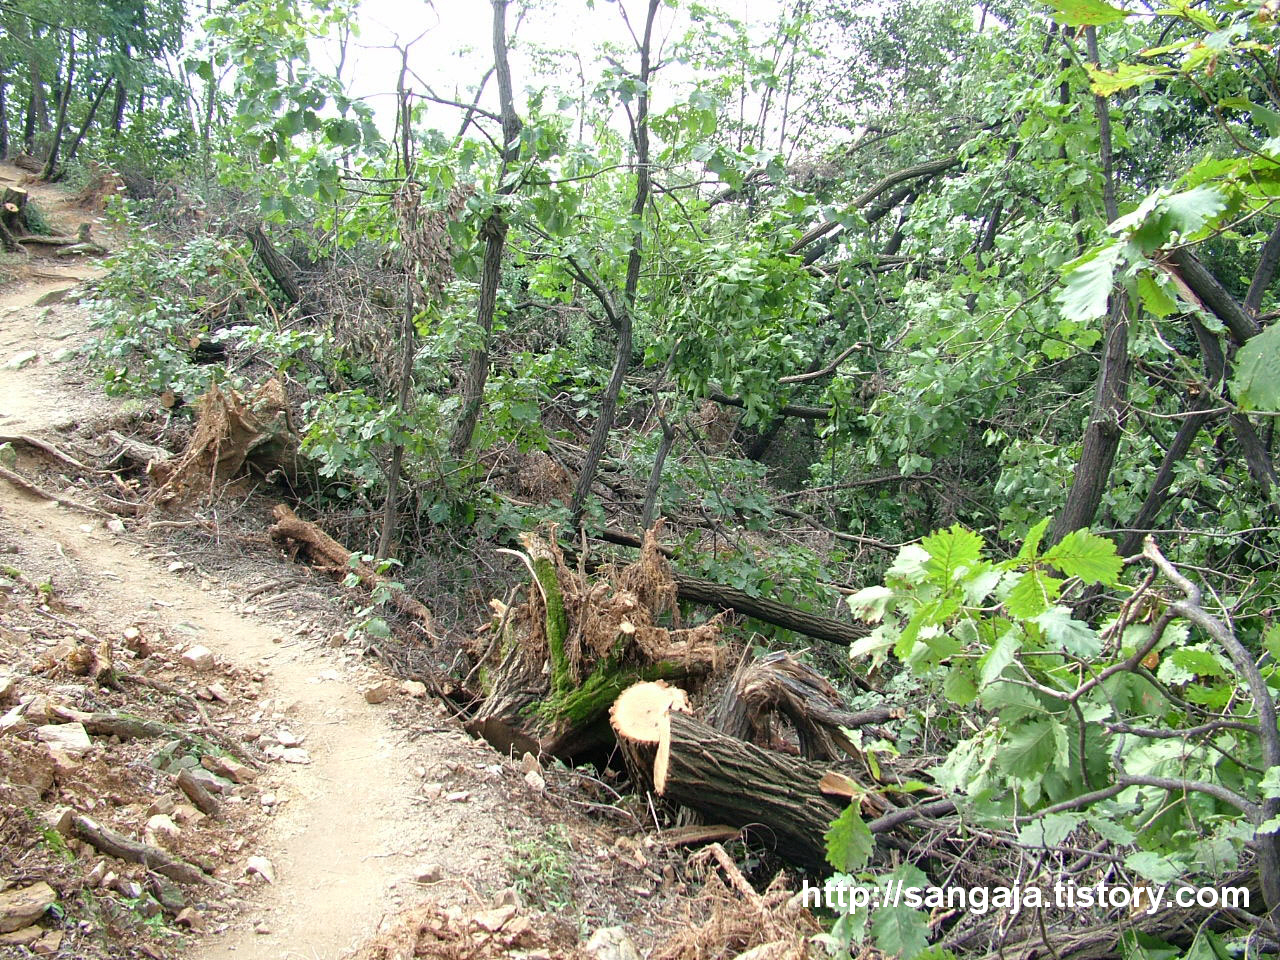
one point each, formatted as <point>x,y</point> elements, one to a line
<point>564,655</point>
<point>329,554</point>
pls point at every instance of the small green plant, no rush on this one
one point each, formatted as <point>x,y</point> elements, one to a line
<point>50,837</point>
<point>368,624</point>
<point>540,869</point>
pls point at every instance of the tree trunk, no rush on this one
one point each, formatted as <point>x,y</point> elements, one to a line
<point>722,597</point>
<point>88,120</point>
<point>1107,414</point>
<point>622,356</point>
<point>4,119</point>
<point>1194,420</point>
<point>775,796</point>
<point>276,265</point>
<point>117,110</point>
<point>35,107</point>
<point>494,232</point>
<point>60,124</point>
<point>1264,273</point>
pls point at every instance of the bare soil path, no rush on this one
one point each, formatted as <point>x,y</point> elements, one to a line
<point>354,824</point>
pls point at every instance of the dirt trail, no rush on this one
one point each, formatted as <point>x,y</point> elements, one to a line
<point>355,820</point>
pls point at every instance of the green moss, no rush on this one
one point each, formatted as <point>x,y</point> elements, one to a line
<point>595,696</point>
<point>557,626</point>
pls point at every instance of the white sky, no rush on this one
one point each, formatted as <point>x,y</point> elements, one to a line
<point>456,49</point>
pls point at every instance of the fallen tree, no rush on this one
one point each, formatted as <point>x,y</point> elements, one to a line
<point>697,590</point>
<point>725,779</point>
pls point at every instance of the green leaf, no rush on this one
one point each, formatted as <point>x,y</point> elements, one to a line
<point>1207,946</point>
<point>950,551</point>
<point>999,656</point>
<point>1074,636</point>
<point>900,931</point>
<point>1048,831</point>
<point>1032,594</point>
<point>1085,13</point>
<point>1185,213</point>
<point>1154,867</point>
<point>1155,298</point>
<point>909,565</point>
<point>1125,75</point>
<point>1031,545</point>
<point>1143,946</point>
<point>875,645</point>
<point>1032,748</point>
<point>1197,661</point>
<point>849,841</point>
<point>1091,558</point>
<point>869,603</point>
<point>959,687</point>
<point>1256,384</point>
<point>1088,283</point>
<point>1271,640</point>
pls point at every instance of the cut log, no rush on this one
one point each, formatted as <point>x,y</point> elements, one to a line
<point>774,797</point>
<point>329,554</point>
<point>638,718</point>
<point>24,161</point>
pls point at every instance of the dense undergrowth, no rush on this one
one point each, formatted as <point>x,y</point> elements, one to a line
<point>1005,278</point>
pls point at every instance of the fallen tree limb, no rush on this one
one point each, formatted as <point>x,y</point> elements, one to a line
<point>108,841</point>
<point>23,484</point>
<point>927,169</point>
<point>332,556</point>
<point>786,410</point>
<point>136,451</point>
<point>47,448</point>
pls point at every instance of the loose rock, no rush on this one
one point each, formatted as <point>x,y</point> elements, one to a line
<point>612,943</point>
<point>198,657</point>
<point>25,905</point>
<point>262,867</point>
<point>233,770</point>
<point>70,738</point>
<point>379,692</point>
